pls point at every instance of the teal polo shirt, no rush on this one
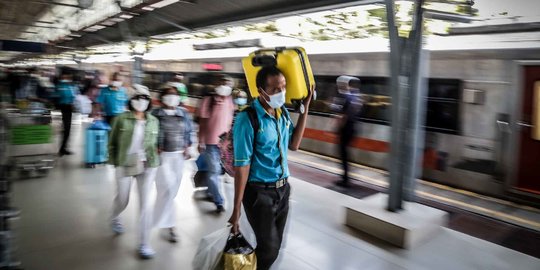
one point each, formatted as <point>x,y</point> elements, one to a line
<point>272,143</point>
<point>66,93</point>
<point>112,102</point>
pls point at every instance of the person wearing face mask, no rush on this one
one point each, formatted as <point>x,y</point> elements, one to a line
<point>177,82</point>
<point>112,98</point>
<point>215,118</point>
<point>66,92</point>
<point>240,99</point>
<point>133,143</point>
<point>260,160</point>
<point>174,140</point>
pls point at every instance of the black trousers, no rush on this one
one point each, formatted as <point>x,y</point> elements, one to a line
<point>67,111</point>
<point>345,139</point>
<point>109,119</point>
<point>266,211</point>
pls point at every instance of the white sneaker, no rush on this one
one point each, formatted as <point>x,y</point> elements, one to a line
<point>117,226</point>
<point>146,252</point>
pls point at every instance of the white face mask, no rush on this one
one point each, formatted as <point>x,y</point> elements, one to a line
<point>240,101</point>
<point>171,100</point>
<point>117,84</point>
<point>140,105</point>
<point>224,90</point>
<point>276,100</point>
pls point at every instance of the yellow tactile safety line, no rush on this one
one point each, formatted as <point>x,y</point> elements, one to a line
<point>485,211</point>
<point>429,183</point>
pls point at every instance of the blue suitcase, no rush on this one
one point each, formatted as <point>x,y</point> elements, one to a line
<point>97,136</point>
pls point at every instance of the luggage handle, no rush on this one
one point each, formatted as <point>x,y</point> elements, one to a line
<point>271,60</point>
<point>264,61</point>
<point>99,138</point>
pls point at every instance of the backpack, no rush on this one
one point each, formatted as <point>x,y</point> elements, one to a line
<point>196,118</point>
<point>226,140</point>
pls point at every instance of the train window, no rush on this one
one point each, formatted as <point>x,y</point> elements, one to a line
<point>442,103</point>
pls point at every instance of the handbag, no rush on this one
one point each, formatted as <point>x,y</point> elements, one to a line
<point>239,254</point>
<point>134,165</point>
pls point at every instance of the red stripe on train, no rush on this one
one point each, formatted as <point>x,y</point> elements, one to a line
<point>358,142</point>
<point>330,137</point>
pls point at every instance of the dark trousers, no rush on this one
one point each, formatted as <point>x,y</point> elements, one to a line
<point>345,139</point>
<point>109,119</point>
<point>266,211</point>
<point>67,111</point>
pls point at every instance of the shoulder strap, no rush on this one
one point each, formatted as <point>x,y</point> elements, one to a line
<point>285,112</point>
<point>252,114</point>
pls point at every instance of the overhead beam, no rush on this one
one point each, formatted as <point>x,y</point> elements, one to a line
<point>160,18</point>
<point>447,16</point>
<point>44,2</point>
<point>28,25</point>
<point>23,46</point>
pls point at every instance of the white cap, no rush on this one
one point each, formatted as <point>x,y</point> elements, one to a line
<point>140,90</point>
<point>344,82</point>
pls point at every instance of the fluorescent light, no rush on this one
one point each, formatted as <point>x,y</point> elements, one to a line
<point>126,16</point>
<point>163,3</point>
<point>94,28</point>
<point>149,8</point>
<point>108,23</point>
<point>117,19</point>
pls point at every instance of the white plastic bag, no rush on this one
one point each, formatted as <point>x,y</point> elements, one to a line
<point>210,250</point>
<point>83,104</point>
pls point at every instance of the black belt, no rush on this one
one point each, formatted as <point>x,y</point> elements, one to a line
<point>278,184</point>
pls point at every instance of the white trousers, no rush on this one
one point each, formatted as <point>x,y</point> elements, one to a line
<point>144,185</point>
<point>168,181</point>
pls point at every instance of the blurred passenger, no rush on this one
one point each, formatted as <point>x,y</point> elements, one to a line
<point>66,92</point>
<point>46,87</point>
<point>261,168</point>
<point>178,82</point>
<point>133,151</point>
<point>347,104</point>
<point>113,98</point>
<point>174,140</point>
<point>240,99</point>
<point>215,118</point>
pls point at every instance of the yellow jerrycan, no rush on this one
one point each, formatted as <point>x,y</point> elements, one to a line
<point>294,64</point>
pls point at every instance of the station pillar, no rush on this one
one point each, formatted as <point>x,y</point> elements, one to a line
<point>408,70</point>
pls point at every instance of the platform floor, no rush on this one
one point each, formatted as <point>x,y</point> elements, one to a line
<point>64,225</point>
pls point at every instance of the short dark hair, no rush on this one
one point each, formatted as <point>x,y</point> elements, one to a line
<point>164,90</point>
<point>115,75</point>
<point>264,73</point>
<point>130,107</point>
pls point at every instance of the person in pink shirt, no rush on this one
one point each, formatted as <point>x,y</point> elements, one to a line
<point>215,113</point>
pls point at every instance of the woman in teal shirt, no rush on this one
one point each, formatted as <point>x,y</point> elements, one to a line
<point>113,98</point>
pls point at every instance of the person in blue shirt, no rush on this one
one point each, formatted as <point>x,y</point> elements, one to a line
<point>66,92</point>
<point>261,168</point>
<point>113,98</point>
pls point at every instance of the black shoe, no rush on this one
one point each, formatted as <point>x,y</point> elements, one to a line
<point>343,183</point>
<point>220,209</point>
<point>172,237</point>
<point>64,152</point>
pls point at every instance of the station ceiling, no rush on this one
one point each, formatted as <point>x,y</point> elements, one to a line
<point>76,24</point>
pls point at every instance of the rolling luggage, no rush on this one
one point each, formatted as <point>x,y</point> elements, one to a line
<point>96,142</point>
<point>294,64</point>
